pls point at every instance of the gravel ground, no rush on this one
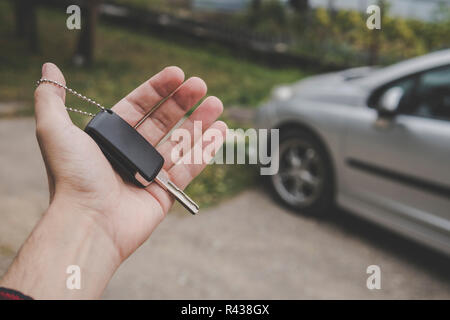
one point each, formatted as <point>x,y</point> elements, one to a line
<point>247,247</point>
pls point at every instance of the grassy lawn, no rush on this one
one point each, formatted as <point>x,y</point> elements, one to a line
<point>124,59</point>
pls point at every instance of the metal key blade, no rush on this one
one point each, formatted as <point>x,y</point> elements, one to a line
<point>181,197</point>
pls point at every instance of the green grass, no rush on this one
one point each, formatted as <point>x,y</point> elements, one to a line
<point>124,59</point>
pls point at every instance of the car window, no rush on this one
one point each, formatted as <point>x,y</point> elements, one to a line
<point>432,94</point>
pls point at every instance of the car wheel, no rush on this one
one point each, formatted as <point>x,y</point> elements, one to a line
<point>304,180</point>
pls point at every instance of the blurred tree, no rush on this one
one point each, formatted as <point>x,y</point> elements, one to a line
<point>84,54</point>
<point>256,4</point>
<point>332,9</point>
<point>302,16</point>
<point>26,22</point>
<point>254,14</point>
<point>299,5</point>
<point>269,19</point>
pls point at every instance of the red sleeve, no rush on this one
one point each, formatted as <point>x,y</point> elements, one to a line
<point>9,294</point>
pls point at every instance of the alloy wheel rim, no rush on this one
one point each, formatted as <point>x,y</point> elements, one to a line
<point>300,177</point>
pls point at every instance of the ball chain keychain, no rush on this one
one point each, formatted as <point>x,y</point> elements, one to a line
<point>133,157</point>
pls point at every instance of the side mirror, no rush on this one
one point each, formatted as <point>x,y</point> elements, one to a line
<point>390,101</point>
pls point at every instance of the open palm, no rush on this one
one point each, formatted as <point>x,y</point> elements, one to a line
<point>78,171</point>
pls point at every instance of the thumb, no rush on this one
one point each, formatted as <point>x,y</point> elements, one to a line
<point>50,111</point>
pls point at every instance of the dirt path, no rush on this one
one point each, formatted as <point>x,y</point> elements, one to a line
<point>247,247</point>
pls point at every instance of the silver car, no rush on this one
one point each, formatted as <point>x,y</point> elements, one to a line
<point>374,141</point>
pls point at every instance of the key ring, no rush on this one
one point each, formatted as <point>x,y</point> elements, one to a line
<point>75,93</point>
<point>98,105</point>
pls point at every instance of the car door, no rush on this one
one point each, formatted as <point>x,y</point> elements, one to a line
<point>400,164</point>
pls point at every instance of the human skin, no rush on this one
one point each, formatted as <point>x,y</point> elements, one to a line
<point>95,220</point>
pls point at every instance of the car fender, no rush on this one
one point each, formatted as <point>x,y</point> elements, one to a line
<point>325,121</point>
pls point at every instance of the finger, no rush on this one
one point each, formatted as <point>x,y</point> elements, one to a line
<point>172,110</point>
<point>181,173</point>
<point>51,114</point>
<point>208,111</point>
<point>138,102</point>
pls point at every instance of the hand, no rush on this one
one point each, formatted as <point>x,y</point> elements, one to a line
<point>82,181</point>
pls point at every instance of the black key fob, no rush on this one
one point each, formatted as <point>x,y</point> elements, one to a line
<point>135,159</point>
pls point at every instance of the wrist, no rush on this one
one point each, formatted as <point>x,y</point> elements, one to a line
<point>67,235</point>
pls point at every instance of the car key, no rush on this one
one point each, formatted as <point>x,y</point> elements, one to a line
<point>133,157</point>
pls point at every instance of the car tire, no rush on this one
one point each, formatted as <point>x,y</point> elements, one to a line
<point>304,181</point>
